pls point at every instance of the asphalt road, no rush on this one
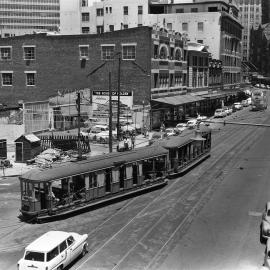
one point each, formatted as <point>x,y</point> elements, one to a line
<point>207,219</point>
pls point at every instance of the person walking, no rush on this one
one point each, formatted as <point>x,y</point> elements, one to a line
<point>133,140</point>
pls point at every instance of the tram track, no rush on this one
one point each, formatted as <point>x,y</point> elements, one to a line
<point>241,144</point>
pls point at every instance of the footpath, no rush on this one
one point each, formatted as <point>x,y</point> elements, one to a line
<point>96,149</point>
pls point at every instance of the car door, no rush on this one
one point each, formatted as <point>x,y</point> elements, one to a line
<point>72,251</point>
<point>63,253</point>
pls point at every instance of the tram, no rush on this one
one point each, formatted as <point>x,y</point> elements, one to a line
<point>77,186</point>
<point>259,100</point>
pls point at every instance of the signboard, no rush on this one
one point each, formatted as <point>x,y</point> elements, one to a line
<point>102,97</point>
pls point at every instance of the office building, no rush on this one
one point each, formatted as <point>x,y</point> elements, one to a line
<point>26,17</point>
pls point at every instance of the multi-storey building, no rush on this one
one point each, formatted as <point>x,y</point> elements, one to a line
<point>250,17</point>
<point>152,65</point>
<point>198,20</point>
<point>265,11</point>
<point>25,17</point>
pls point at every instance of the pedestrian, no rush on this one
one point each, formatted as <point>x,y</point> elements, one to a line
<point>125,143</point>
<point>133,140</point>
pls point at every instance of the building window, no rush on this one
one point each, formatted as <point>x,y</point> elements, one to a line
<point>5,53</point>
<point>194,10</point>
<point>107,52</point>
<point>85,30</point>
<point>100,12</point>
<point>200,26</point>
<point>110,9</point>
<point>29,53</point>
<point>100,29</point>
<point>106,10</point>
<point>184,26</point>
<point>84,3</point>
<point>125,26</point>
<point>179,10</point>
<point>200,41</point>
<point>128,52</point>
<point>178,55</point>
<point>140,9</point>
<point>111,28</point>
<point>7,79</point>
<point>140,24</point>
<point>85,17</point>
<point>212,9</point>
<point>84,51</point>
<point>125,10</point>
<point>30,79</point>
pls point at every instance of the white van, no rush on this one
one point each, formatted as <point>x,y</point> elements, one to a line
<point>53,250</point>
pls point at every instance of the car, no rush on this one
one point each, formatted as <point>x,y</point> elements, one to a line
<point>220,113</point>
<point>192,123</point>
<point>265,224</point>
<point>103,136</point>
<point>54,248</point>
<point>244,103</point>
<point>170,132</point>
<point>85,132</point>
<point>237,106</point>
<point>201,117</point>
<point>228,110</point>
<point>181,127</point>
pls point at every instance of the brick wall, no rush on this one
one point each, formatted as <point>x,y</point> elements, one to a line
<point>58,65</point>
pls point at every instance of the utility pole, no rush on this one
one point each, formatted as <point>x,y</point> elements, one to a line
<point>118,99</point>
<point>110,113</point>
<point>78,103</point>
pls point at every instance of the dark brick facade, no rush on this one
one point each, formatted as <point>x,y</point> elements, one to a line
<point>58,65</point>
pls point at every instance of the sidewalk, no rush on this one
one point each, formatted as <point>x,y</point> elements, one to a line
<point>96,149</point>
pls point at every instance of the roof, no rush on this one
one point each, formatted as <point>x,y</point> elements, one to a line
<point>48,241</point>
<point>192,46</point>
<point>29,137</point>
<point>95,163</point>
<point>178,100</point>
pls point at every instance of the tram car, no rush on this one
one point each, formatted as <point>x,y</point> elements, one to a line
<point>77,186</point>
<point>259,100</point>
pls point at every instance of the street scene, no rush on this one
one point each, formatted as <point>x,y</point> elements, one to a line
<point>134,134</point>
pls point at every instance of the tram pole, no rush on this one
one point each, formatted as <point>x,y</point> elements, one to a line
<point>110,113</point>
<point>118,99</point>
<point>78,103</point>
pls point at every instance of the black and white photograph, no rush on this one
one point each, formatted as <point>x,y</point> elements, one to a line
<point>134,134</point>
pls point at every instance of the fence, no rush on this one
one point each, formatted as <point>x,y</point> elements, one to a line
<point>64,142</point>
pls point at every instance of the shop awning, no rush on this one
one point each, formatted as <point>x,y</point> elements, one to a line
<point>215,95</point>
<point>179,100</point>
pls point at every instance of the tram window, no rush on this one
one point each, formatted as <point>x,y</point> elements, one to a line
<point>92,180</point>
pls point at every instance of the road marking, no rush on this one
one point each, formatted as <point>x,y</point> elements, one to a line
<point>254,214</point>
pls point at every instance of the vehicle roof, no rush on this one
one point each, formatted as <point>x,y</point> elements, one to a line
<point>95,163</point>
<point>48,241</point>
<point>100,126</point>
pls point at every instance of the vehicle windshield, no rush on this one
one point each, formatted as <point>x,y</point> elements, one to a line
<point>34,256</point>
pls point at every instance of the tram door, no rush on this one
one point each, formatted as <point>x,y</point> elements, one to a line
<point>122,175</point>
<point>108,180</point>
<point>135,174</point>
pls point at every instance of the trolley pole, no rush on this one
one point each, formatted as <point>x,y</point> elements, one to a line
<point>110,113</point>
<point>78,103</point>
<point>118,99</point>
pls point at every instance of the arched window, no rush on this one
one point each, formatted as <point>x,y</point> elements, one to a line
<point>163,52</point>
<point>178,54</point>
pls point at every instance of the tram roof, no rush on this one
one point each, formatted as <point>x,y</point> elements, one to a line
<point>180,140</point>
<point>95,163</point>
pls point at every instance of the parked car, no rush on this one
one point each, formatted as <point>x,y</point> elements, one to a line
<point>265,224</point>
<point>201,117</point>
<point>244,103</point>
<point>192,123</point>
<point>228,110</point>
<point>54,248</point>
<point>237,106</point>
<point>103,136</point>
<point>220,113</point>
<point>181,127</point>
<point>170,132</point>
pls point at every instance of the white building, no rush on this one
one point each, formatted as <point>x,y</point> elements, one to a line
<point>250,17</point>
